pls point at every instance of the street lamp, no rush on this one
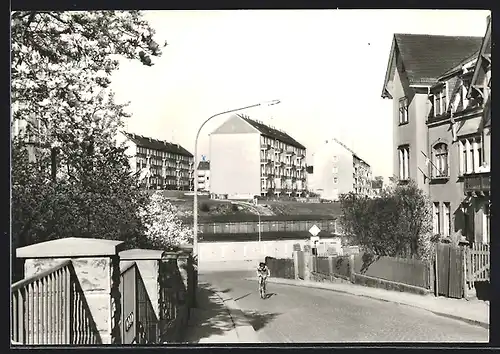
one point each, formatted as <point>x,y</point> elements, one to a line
<point>195,202</point>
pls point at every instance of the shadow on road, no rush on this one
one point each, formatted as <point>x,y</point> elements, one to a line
<point>210,319</point>
<point>242,297</point>
<point>259,320</point>
<point>268,295</point>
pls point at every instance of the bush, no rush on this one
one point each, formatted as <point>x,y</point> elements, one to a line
<point>204,207</point>
<point>398,224</point>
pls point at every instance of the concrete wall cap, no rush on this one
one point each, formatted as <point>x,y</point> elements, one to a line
<point>71,247</point>
<point>141,254</point>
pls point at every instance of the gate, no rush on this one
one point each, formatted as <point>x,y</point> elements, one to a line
<point>128,301</point>
<point>450,270</point>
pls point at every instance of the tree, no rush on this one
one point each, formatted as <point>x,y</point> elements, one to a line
<point>396,224</point>
<point>61,68</point>
<point>164,229</point>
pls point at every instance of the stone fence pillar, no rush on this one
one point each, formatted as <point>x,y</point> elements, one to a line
<point>148,263</point>
<point>296,256</point>
<point>188,273</point>
<point>308,264</point>
<point>97,266</point>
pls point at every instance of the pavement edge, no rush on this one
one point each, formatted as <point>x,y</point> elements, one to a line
<point>443,314</point>
<point>244,330</point>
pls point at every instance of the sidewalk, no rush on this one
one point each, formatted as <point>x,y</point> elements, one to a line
<point>474,311</point>
<point>217,320</point>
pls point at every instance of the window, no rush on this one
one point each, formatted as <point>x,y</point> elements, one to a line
<point>335,158</point>
<point>404,162</point>
<point>441,160</point>
<point>447,219</point>
<point>403,110</point>
<point>436,219</point>
<point>440,101</point>
<point>335,180</point>
<point>335,169</point>
<point>469,155</point>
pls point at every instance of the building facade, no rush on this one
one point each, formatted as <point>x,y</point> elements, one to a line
<point>438,139</point>
<point>160,164</point>
<point>338,170</point>
<point>249,158</point>
<point>203,175</point>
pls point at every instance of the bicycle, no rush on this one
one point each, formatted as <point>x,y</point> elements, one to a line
<point>262,287</point>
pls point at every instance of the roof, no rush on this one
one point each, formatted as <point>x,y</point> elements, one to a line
<point>484,52</point>
<point>204,166</point>
<point>272,132</point>
<point>426,57</point>
<point>459,66</point>
<point>71,247</point>
<point>156,144</point>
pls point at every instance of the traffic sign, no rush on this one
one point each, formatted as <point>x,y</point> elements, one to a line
<point>314,230</point>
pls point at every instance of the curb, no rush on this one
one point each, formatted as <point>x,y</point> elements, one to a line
<point>244,331</point>
<point>482,324</point>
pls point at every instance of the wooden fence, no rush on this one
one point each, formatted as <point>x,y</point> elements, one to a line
<point>401,270</point>
<point>334,265</point>
<point>478,262</point>
<point>246,227</point>
<point>50,308</point>
<point>281,268</point>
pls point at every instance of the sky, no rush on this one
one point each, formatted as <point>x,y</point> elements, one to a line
<point>327,68</point>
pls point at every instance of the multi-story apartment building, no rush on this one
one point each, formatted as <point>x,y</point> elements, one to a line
<point>33,135</point>
<point>249,158</point>
<point>163,165</point>
<point>203,175</point>
<point>438,137</point>
<point>338,170</point>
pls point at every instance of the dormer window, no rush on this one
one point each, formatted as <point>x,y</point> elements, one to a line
<point>440,101</point>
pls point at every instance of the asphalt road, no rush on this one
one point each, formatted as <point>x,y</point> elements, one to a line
<point>300,315</point>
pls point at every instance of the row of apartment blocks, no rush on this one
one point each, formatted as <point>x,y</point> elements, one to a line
<point>248,158</point>
<point>160,164</point>
<point>440,87</point>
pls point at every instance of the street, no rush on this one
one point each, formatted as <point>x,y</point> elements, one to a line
<point>300,314</point>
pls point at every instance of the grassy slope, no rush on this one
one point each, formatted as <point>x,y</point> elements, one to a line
<point>222,211</point>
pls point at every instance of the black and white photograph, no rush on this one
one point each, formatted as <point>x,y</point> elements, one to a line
<point>204,178</point>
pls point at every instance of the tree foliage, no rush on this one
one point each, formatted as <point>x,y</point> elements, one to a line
<point>398,224</point>
<point>61,70</point>
<point>164,229</point>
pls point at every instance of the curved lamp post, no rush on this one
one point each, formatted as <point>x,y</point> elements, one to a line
<point>195,202</point>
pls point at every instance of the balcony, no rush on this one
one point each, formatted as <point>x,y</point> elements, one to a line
<point>477,184</point>
<point>264,160</point>
<point>290,152</point>
<point>265,146</point>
